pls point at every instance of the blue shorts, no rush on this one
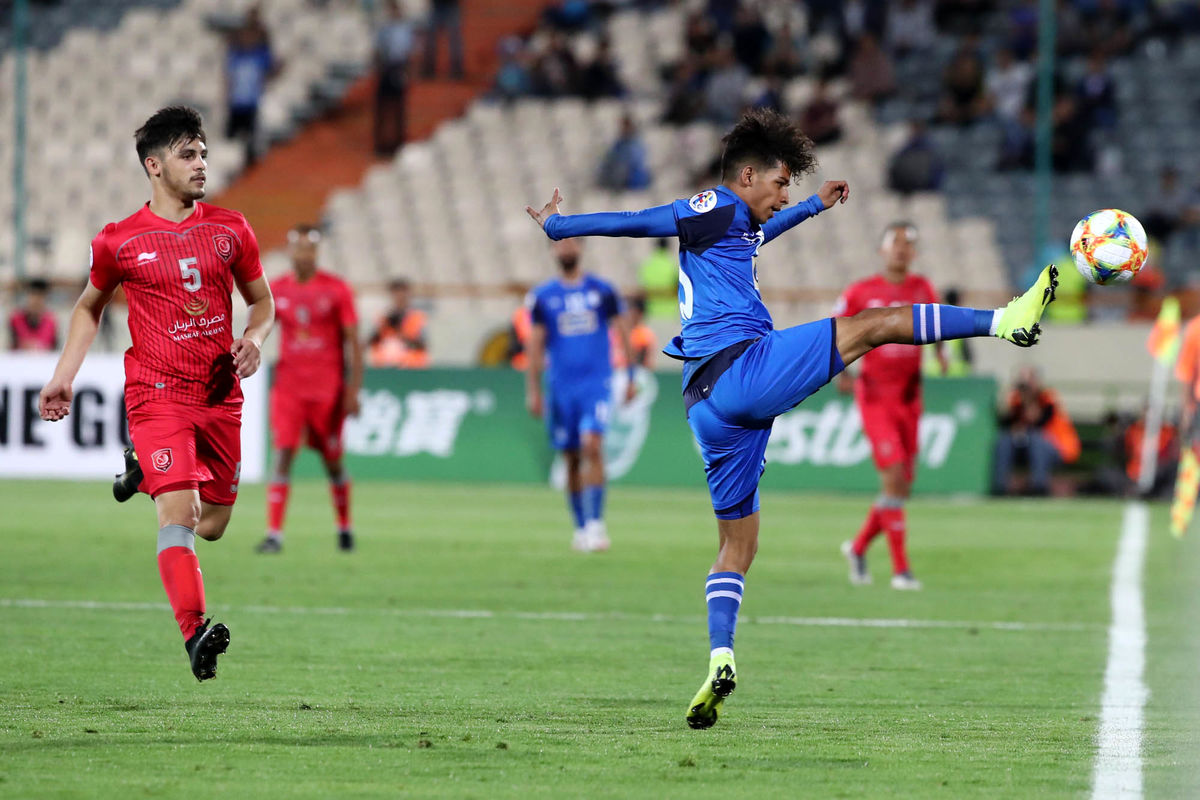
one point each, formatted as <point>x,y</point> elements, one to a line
<point>732,406</point>
<point>575,411</point>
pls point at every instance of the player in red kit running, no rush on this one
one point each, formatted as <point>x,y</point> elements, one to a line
<point>310,392</point>
<point>178,261</point>
<point>888,393</point>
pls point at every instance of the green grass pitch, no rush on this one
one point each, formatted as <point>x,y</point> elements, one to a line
<point>465,652</point>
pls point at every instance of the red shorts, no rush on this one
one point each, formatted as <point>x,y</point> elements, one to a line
<point>892,430</point>
<point>189,447</point>
<point>322,418</point>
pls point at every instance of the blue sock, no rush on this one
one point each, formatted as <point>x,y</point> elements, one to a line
<point>594,501</point>
<point>576,501</point>
<point>723,592</point>
<point>934,322</point>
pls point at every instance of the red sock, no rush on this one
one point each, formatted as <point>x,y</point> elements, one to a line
<point>277,497</point>
<point>892,520</point>
<point>341,502</point>
<point>871,528</point>
<point>180,571</point>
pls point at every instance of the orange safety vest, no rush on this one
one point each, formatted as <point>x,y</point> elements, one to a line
<point>1059,429</point>
<point>390,347</point>
<point>522,324</point>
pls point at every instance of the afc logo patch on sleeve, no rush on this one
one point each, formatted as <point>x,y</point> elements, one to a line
<point>704,201</point>
<point>162,460</point>
<point>223,243</point>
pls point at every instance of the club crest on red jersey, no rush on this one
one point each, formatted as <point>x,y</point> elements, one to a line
<point>196,306</point>
<point>223,243</point>
<point>162,460</point>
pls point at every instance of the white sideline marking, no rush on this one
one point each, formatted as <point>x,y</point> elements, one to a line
<point>1118,770</point>
<point>561,616</point>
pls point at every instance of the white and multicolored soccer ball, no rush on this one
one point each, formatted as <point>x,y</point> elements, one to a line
<point>1109,246</point>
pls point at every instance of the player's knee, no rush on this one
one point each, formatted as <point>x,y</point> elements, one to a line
<point>593,449</point>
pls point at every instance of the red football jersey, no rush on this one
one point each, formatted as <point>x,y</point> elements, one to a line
<point>178,278</point>
<point>892,372</point>
<point>312,317</point>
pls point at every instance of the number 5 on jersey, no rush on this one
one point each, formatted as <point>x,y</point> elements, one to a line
<point>191,275</point>
<point>685,305</point>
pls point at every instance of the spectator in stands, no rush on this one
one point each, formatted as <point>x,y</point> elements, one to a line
<point>624,166</point>
<point>399,339</point>
<point>598,78</point>
<point>555,70</point>
<point>872,76</point>
<point>771,95</point>
<point>819,117</point>
<point>751,39</point>
<point>958,17</point>
<point>642,340</point>
<point>725,93</point>
<point>658,277</point>
<point>394,44</point>
<point>1007,86</point>
<point>1167,205</point>
<point>32,326</point>
<point>784,57</point>
<point>910,27</point>
<point>1097,94</point>
<point>567,15</point>
<point>916,166</point>
<point>1035,428</point>
<point>249,64</point>
<point>963,100</point>
<point>685,93</point>
<point>699,34</point>
<point>513,79</point>
<point>444,15</point>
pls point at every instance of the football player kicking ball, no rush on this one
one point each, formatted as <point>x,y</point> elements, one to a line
<point>310,392</point>
<point>888,394</point>
<point>739,373</point>
<point>178,260</point>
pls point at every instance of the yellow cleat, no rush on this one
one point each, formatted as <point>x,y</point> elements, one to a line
<point>1019,319</point>
<point>720,683</point>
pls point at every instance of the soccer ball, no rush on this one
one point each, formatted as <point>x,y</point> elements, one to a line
<point>1109,246</point>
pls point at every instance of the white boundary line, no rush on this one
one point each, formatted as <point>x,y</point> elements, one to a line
<point>560,616</point>
<point>1118,771</point>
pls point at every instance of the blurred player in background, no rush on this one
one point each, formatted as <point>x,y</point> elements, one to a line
<point>888,394</point>
<point>571,316</point>
<point>311,392</point>
<point>178,260</point>
<point>740,373</point>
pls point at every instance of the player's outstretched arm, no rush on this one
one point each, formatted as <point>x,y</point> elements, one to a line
<point>354,381</point>
<point>656,222</point>
<point>831,192</point>
<point>247,351</point>
<point>55,400</point>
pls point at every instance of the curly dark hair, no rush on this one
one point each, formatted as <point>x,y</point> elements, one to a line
<point>167,127</point>
<point>763,138</point>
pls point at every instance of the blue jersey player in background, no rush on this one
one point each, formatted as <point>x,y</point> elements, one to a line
<point>571,315</point>
<point>739,372</point>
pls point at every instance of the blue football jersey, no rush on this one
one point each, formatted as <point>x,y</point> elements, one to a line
<point>719,301</point>
<point>576,318</point>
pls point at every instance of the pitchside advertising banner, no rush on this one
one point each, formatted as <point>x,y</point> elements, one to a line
<point>471,425</point>
<point>88,443</point>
